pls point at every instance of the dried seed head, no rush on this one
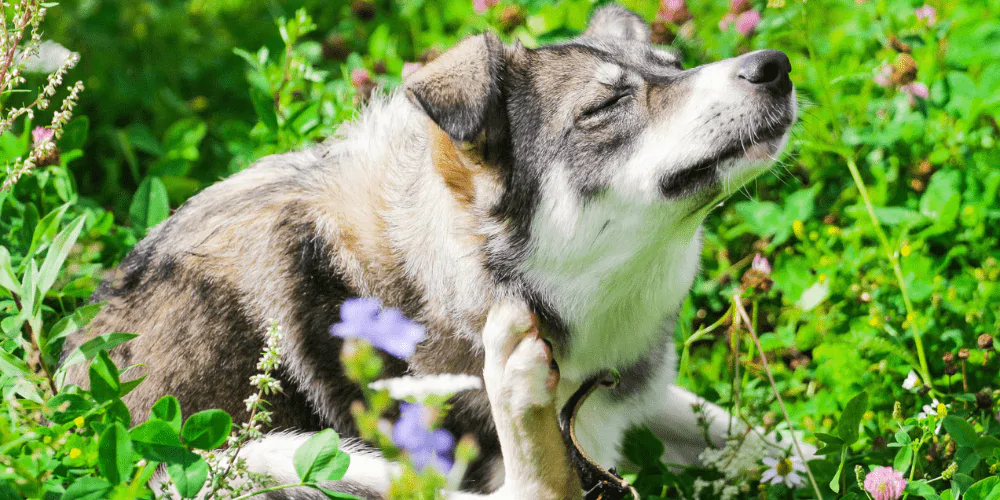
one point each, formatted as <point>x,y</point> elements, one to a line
<point>984,401</point>
<point>985,341</point>
<point>950,369</point>
<point>948,357</point>
<point>963,353</point>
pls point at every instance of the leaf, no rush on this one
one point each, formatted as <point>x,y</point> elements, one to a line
<point>150,205</point>
<point>87,488</point>
<point>168,409</point>
<point>188,472</point>
<point>104,382</point>
<point>320,458</point>
<point>58,251</point>
<point>336,495</point>
<point>960,431</point>
<point>8,279</point>
<point>987,489</point>
<point>264,105</point>
<point>207,430</point>
<point>986,445</point>
<point>89,349</point>
<point>850,420</point>
<point>157,440</point>
<point>903,459</point>
<point>114,454</point>
<point>921,488</point>
<point>66,407</point>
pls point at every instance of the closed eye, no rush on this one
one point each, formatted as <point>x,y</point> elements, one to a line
<point>605,106</point>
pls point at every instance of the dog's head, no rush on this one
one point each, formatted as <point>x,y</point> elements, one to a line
<point>608,113</point>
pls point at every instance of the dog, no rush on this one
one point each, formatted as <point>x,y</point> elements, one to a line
<point>538,211</point>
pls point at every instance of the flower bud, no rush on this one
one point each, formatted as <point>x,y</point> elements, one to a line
<point>747,22</point>
<point>949,473</point>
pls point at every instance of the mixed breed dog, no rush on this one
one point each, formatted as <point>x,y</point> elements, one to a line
<point>539,211</point>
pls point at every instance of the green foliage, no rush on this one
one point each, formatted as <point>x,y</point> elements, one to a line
<point>880,227</point>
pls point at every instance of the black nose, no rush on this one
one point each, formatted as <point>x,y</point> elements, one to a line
<point>768,69</point>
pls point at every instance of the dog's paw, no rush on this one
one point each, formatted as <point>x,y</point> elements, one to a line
<point>519,372</point>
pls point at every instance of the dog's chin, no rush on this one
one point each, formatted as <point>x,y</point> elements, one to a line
<point>708,182</point>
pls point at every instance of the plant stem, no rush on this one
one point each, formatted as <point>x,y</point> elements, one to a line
<point>738,304</point>
<point>268,490</point>
<point>896,267</point>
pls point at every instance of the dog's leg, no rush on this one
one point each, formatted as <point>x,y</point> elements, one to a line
<point>521,386</point>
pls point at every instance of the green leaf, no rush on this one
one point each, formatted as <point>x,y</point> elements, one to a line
<point>903,459</point>
<point>87,488</point>
<point>850,420</point>
<point>336,495</point>
<point>921,488</point>
<point>207,430</point>
<point>320,458</point>
<point>8,279</point>
<point>58,251</point>
<point>986,445</point>
<point>74,133</point>
<point>156,440</point>
<point>960,431</point>
<point>66,407</point>
<point>104,382</point>
<point>168,409</point>
<point>150,205</point>
<point>90,349</point>
<point>188,472</point>
<point>114,454</point>
<point>987,489</point>
<point>264,105</point>
<point>13,367</point>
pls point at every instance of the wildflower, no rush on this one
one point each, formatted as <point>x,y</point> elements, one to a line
<point>360,77</point>
<point>930,410</point>
<point>747,22</point>
<point>41,135</point>
<point>905,250</point>
<point>481,6</point>
<point>386,328</point>
<point>420,388</point>
<point>914,91</point>
<point>674,11</point>
<point>761,265</point>
<point>78,421</point>
<point>884,76</point>
<point>410,68</point>
<point>885,483</point>
<point>926,14</point>
<point>912,381</point>
<point>799,228</point>
<point>75,453</point>
<point>784,470</point>
<point>426,447</point>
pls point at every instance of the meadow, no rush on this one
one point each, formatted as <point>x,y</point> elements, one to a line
<point>849,298</point>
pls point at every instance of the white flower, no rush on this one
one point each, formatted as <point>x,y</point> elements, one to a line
<point>912,381</point>
<point>929,410</point>
<point>419,388</point>
<point>784,470</point>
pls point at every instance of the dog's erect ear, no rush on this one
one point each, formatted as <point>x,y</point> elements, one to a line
<point>457,89</point>
<point>615,21</point>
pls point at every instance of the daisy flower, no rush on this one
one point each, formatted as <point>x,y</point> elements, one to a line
<point>784,470</point>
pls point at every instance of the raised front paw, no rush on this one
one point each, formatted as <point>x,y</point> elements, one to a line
<point>519,372</point>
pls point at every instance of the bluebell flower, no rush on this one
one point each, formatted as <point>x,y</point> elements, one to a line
<point>385,328</point>
<point>425,447</point>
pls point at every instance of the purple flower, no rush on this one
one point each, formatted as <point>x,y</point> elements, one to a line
<point>927,14</point>
<point>40,135</point>
<point>425,447</point>
<point>885,483</point>
<point>360,77</point>
<point>761,265</point>
<point>746,23</point>
<point>410,68</point>
<point>386,329</point>
<point>481,6</point>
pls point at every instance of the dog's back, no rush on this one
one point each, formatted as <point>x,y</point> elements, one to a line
<point>290,239</point>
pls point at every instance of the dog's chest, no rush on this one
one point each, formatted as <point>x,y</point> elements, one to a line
<point>616,276</point>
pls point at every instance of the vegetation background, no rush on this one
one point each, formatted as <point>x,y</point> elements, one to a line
<point>877,234</point>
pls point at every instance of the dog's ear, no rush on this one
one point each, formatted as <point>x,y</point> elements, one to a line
<point>615,21</point>
<point>458,88</point>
